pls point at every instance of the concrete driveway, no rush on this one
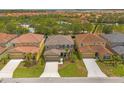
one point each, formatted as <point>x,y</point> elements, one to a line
<point>51,70</point>
<point>7,71</point>
<point>92,68</point>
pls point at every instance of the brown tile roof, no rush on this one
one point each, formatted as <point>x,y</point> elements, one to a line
<point>28,38</point>
<point>2,49</point>
<point>93,49</point>
<point>89,38</point>
<point>4,38</point>
<point>24,49</point>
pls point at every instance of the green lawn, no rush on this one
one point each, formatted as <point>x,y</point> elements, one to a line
<point>29,72</point>
<point>69,69</point>
<point>112,71</point>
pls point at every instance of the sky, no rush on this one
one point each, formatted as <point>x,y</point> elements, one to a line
<point>61,4</point>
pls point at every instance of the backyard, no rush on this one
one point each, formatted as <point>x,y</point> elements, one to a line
<point>73,69</point>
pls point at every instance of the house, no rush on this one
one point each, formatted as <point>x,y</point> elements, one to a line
<point>92,46</point>
<point>26,43</point>
<point>28,39</point>
<point>58,46</point>
<point>115,42</point>
<point>114,39</point>
<point>4,41</point>
<point>6,38</point>
<point>2,49</point>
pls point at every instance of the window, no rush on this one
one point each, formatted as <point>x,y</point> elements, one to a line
<point>57,47</point>
<point>47,47</point>
<point>63,46</point>
<point>81,44</point>
<point>61,54</point>
<point>60,46</point>
<point>106,56</point>
<point>71,46</point>
<point>67,46</point>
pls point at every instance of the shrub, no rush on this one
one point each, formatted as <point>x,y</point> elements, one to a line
<point>79,55</point>
<point>27,63</point>
<point>73,57</point>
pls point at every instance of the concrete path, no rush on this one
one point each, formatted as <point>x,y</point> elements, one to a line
<point>7,71</point>
<point>93,69</point>
<point>51,70</point>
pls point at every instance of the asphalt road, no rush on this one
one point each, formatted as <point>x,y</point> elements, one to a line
<point>63,80</point>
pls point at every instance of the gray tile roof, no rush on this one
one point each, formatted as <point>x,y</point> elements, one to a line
<point>53,52</point>
<point>119,49</point>
<point>59,40</point>
<point>114,37</point>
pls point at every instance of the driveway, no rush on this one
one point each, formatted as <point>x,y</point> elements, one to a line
<point>51,70</point>
<point>93,69</point>
<point>7,71</point>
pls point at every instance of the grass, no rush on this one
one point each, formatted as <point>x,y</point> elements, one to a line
<point>29,72</point>
<point>69,69</point>
<point>112,71</point>
<point>75,69</point>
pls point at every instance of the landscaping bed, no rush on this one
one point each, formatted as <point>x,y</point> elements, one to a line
<point>4,59</point>
<point>110,70</point>
<point>73,69</point>
<point>29,72</point>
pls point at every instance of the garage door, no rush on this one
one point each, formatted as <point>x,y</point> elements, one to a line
<point>52,58</point>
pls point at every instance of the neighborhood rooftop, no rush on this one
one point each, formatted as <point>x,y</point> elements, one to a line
<point>28,38</point>
<point>114,37</point>
<point>4,38</point>
<point>53,52</point>
<point>93,49</point>
<point>2,49</point>
<point>89,38</point>
<point>59,40</point>
<point>24,49</point>
<point>119,50</point>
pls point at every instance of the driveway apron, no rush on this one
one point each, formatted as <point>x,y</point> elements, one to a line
<point>92,68</point>
<point>7,71</point>
<point>51,70</point>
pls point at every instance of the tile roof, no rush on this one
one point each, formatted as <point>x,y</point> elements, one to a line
<point>24,49</point>
<point>119,49</point>
<point>28,38</point>
<point>89,38</point>
<point>59,40</point>
<point>114,37</point>
<point>4,38</point>
<point>2,49</point>
<point>53,52</point>
<point>93,49</point>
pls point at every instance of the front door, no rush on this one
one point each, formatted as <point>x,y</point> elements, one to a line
<point>96,55</point>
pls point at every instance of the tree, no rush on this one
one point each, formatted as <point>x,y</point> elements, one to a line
<point>107,29</point>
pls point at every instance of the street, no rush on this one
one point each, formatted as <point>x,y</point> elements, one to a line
<point>64,80</point>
